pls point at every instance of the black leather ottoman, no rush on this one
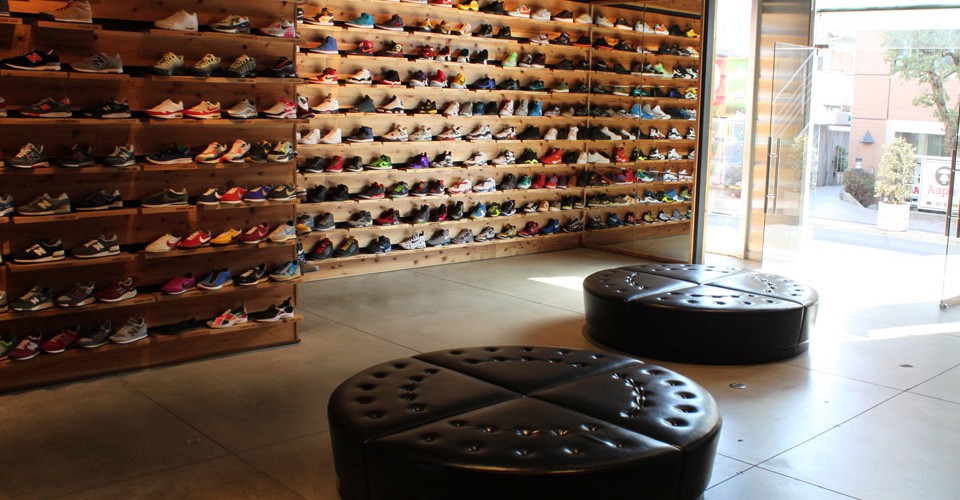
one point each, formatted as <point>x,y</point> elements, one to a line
<point>699,314</point>
<point>522,423</point>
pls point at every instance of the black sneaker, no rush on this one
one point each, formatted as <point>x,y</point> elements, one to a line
<point>528,156</point>
<point>505,33</point>
<point>314,165</point>
<point>493,8</point>
<point>348,248</point>
<point>101,246</point>
<point>252,276</point>
<point>532,133</point>
<point>243,67</point>
<point>484,31</point>
<point>623,45</point>
<point>100,200</point>
<point>35,60</point>
<point>565,64</point>
<point>565,16</point>
<point>391,77</point>
<point>601,43</point>
<point>338,193</point>
<point>375,191</point>
<point>109,109</point>
<point>509,181</point>
<point>166,197</point>
<point>508,208</point>
<point>187,325</point>
<point>561,39</point>
<point>365,105</point>
<point>620,70</point>
<point>353,164</point>
<point>600,65</point>
<point>422,215</point>
<point>324,222</point>
<point>480,57</point>
<point>282,192</point>
<point>428,107</point>
<point>317,194</point>
<point>172,155</point>
<point>283,68</point>
<point>122,156</point>
<point>570,157</point>
<point>456,213</point>
<point>259,152</point>
<point>539,60</point>
<point>42,251</point>
<point>583,41</point>
<point>80,156</point>
<point>274,313</point>
<point>379,245</point>
<point>509,84</point>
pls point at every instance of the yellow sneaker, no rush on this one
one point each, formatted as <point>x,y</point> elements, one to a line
<point>459,82</point>
<point>425,25</point>
<point>226,237</point>
<point>471,5</point>
<point>692,34</point>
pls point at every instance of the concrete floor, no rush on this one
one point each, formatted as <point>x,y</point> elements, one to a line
<point>870,412</point>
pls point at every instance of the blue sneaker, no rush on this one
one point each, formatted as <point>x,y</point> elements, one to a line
<point>6,205</point>
<point>485,83</point>
<point>536,109</point>
<point>363,21</point>
<point>614,221</point>
<point>287,271</point>
<point>217,279</point>
<point>328,46</point>
<point>674,94</point>
<point>552,226</point>
<point>479,212</point>
<point>635,111</point>
<point>257,195</point>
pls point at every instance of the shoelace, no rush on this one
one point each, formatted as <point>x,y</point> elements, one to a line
<point>24,151</point>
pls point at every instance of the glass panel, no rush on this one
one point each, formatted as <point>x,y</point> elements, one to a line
<point>950,291</point>
<point>789,159</point>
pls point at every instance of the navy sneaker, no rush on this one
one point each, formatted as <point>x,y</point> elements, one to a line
<point>328,46</point>
<point>166,197</point>
<point>484,83</point>
<point>216,279</point>
<point>174,154</point>
<point>552,226</point>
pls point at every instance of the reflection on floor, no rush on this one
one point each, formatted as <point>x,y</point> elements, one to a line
<point>870,412</point>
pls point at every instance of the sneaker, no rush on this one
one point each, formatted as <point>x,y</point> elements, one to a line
<point>465,236</point>
<point>281,28</point>
<point>215,280</point>
<point>478,159</point>
<point>42,251</point>
<point>394,106</point>
<point>287,271</point>
<point>28,348</point>
<point>361,219</point>
<point>179,21</point>
<point>255,234</point>
<point>101,246</point>
<point>363,134</point>
<point>164,244</point>
<point>81,155</point>
<point>439,239</point>
<point>169,64</point>
<point>75,11</point>
<point>274,313</point>
<point>283,152</point>
<point>232,24</point>
<point>166,110</point>
<point>398,134</point>
<point>253,276</point>
<point>80,295</point>
<point>486,186</point>
<point>108,110</point>
<point>180,284</point>
<point>46,205</point>
<point>375,191</point>
<point>165,198</point>
<point>414,242</point>
<point>48,108</point>
<point>35,60</point>
<point>204,111</point>
<point>508,231</point>
<point>118,291</point>
<point>122,156</point>
<point>97,335</point>
<point>485,234</point>
<point>99,63</point>
<point>462,187</point>
<point>505,158</point>
<point>482,133</point>
<point>283,232</point>
<point>243,66</point>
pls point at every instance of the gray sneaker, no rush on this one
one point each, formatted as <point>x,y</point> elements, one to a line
<point>243,67</point>
<point>134,330</point>
<point>206,66</point>
<point>324,222</point>
<point>122,156</point>
<point>485,234</point>
<point>46,205</point>
<point>30,156</point>
<point>574,226</point>
<point>440,238</point>
<point>169,64</point>
<point>465,236</point>
<point>80,295</point>
<point>100,63</point>
<point>97,335</point>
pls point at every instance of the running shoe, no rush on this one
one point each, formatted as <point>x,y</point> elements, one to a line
<point>97,335</point>
<point>287,271</point>
<point>179,284</point>
<point>133,330</point>
<point>35,60</point>
<point>119,290</point>
<point>274,313</point>
<point>46,205</point>
<point>99,63</point>
<point>101,246</point>
<point>216,279</point>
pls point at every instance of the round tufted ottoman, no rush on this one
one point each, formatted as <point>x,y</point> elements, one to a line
<point>521,423</point>
<point>699,314</point>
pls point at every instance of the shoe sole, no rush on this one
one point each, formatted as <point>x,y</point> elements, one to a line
<point>279,317</point>
<point>39,307</point>
<point>214,287</point>
<point>253,283</point>
<point>98,255</point>
<point>129,340</point>
<point>35,68</point>
<point>126,296</point>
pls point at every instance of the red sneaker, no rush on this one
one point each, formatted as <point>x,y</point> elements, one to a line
<point>62,341</point>
<point>364,48</point>
<point>630,176</point>
<point>553,157</point>
<point>323,250</point>
<point>233,195</point>
<point>439,79</point>
<point>387,218</point>
<point>335,164</point>
<point>531,229</point>
<point>552,182</point>
<point>539,182</point>
<point>195,240</point>
<point>119,290</point>
<point>620,155</point>
<point>427,52</point>
<point>439,214</point>
<point>255,234</point>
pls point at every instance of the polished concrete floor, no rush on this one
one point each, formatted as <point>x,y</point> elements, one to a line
<point>870,412</point>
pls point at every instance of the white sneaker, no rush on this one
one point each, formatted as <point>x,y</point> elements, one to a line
<point>334,136</point>
<point>312,137</point>
<point>542,14</point>
<point>461,187</point>
<point>327,105</point>
<point>360,77</point>
<point>206,110</point>
<point>414,242</point>
<point>610,135</point>
<point>164,244</point>
<point>280,28</point>
<point>481,134</point>
<point>572,134</point>
<point>584,19</point>
<point>626,133</point>
<point>397,134</point>
<point>180,21</point>
<point>76,11</point>
<point>642,27</point>
<point>212,153</point>
<point>452,133</point>
<point>488,185</point>
<point>281,110</point>
<point>452,109</point>
<point>597,157</point>
<point>237,152</point>
<point>551,134</point>
<point>658,113</point>
<point>505,158</point>
<point>673,155</point>
<point>478,159</point>
<point>422,134</point>
<point>508,133</point>
<point>583,157</point>
<point>394,106</point>
<point>602,21</point>
<point>244,109</point>
<point>507,108</point>
<point>166,110</point>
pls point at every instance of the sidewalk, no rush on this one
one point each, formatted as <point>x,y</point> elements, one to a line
<point>828,210</point>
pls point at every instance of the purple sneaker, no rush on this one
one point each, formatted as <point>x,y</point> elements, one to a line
<point>180,284</point>
<point>28,348</point>
<point>419,161</point>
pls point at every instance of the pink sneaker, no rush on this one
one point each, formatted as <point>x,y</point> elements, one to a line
<point>180,284</point>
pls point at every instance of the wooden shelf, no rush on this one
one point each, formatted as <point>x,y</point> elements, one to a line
<point>70,262</point>
<point>73,216</point>
<point>233,247</point>
<point>56,25</point>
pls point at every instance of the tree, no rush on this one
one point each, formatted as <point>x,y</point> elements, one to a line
<point>896,172</point>
<point>930,58</point>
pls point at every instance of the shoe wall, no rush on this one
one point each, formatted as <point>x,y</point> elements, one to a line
<point>586,120</point>
<point>136,185</point>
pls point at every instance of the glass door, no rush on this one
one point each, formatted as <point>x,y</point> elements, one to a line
<point>950,291</point>
<point>788,158</point>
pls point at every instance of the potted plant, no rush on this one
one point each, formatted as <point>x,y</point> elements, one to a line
<point>840,155</point>
<point>895,185</point>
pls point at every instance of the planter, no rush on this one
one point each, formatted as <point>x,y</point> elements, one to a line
<point>893,216</point>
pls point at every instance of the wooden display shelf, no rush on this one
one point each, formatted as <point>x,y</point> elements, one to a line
<point>63,74</point>
<point>96,169</point>
<point>138,301</point>
<point>193,122</point>
<point>240,37</point>
<point>120,122</point>
<point>154,351</point>
<point>73,216</point>
<point>154,167</point>
<point>260,80</point>
<point>10,20</point>
<point>69,262</point>
<point>168,209</point>
<point>232,247</point>
<point>57,25</point>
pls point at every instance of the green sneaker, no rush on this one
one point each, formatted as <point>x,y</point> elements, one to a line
<point>510,61</point>
<point>7,343</point>
<point>493,210</point>
<point>639,92</point>
<point>524,182</point>
<point>645,177</point>
<point>508,231</point>
<point>562,87</point>
<point>537,86</point>
<point>37,299</point>
<point>381,163</point>
<point>660,69</point>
